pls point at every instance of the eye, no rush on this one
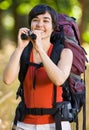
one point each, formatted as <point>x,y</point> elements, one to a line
<point>34,19</point>
<point>46,21</point>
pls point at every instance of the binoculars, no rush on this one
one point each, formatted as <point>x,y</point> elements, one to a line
<point>29,34</point>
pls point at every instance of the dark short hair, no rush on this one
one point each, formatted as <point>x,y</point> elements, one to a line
<point>42,9</point>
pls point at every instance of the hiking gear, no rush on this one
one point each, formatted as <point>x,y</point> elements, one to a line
<point>69,35</point>
<point>35,78</point>
<point>29,34</point>
<point>66,36</point>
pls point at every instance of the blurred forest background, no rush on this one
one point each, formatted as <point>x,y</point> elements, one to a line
<point>13,15</point>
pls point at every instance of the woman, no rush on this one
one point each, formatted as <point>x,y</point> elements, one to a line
<point>42,22</point>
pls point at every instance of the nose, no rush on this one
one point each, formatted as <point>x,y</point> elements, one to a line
<point>40,23</point>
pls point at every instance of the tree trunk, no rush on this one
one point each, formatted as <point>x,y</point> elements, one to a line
<point>0,28</point>
<point>83,19</point>
<point>20,21</point>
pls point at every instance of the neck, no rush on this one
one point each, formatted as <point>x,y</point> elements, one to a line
<point>46,44</point>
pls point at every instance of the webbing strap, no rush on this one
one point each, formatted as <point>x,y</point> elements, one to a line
<point>84,108</point>
<point>84,116</point>
<point>35,64</point>
<point>41,111</point>
<point>58,114</point>
<point>58,121</point>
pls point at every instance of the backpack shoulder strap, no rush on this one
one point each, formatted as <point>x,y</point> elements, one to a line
<point>56,52</point>
<point>24,62</point>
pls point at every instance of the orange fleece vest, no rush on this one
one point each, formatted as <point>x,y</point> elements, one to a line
<point>42,95</point>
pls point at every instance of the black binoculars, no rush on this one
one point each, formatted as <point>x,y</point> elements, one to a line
<point>29,34</point>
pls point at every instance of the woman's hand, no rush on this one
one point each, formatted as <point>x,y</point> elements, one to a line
<point>37,43</point>
<point>23,43</point>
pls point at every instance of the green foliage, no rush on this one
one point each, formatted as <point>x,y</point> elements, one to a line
<point>5,4</point>
<point>16,9</point>
<point>85,36</point>
<point>65,6</point>
<point>24,6</point>
<point>76,12</point>
<point>8,22</point>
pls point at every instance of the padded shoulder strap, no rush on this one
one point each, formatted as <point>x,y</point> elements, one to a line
<point>57,49</point>
<point>24,62</point>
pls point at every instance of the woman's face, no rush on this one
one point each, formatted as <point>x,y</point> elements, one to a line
<point>43,23</point>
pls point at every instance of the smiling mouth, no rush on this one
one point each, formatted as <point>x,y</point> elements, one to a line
<point>39,30</point>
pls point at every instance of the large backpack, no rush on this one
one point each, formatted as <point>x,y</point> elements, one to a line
<point>74,88</point>
<point>65,36</point>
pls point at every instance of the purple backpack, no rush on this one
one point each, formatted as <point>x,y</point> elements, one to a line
<point>67,30</point>
<point>72,41</point>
